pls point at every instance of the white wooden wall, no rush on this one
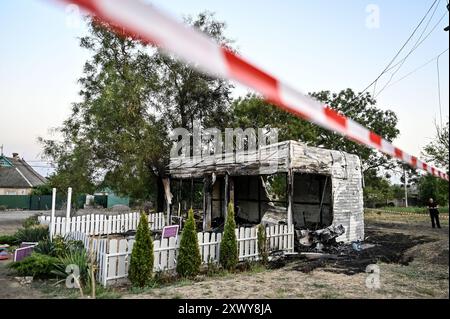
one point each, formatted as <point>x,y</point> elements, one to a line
<point>102,224</point>
<point>113,255</point>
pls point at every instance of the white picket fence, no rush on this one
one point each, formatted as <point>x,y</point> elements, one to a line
<point>99,224</point>
<point>113,255</point>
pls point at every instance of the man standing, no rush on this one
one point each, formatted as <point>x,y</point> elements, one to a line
<point>434,213</point>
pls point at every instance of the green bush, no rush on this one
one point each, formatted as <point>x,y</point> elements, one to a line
<point>58,247</point>
<point>262,244</point>
<point>228,247</point>
<point>36,265</point>
<point>78,257</point>
<point>9,240</point>
<point>189,258</point>
<point>30,222</point>
<point>45,247</point>
<point>141,263</point>
<point>3,207</point>
<point>32,234</point>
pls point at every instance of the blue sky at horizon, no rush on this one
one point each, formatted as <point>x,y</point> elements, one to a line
<point>314,45</point>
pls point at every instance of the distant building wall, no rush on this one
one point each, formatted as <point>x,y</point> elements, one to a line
<point>15,191</point>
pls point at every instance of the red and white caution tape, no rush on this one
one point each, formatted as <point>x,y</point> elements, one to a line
<point>195,48</point>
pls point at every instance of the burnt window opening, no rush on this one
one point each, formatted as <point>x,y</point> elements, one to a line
<point>186,193</point>
<point>312,201</point>
<point>258,196</point>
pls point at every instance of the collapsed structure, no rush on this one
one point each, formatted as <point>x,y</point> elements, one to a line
<point>317,190</point>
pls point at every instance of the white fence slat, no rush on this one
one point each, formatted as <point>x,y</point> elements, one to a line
<point>247,242</point>
<point>164,244</point>
<point>253,244</point>
<point>172,252</point>
<point>121,260</point>
<point>112,262</point>
<point>212,247</point>
<point>157,255</point>
<point>130,250</point>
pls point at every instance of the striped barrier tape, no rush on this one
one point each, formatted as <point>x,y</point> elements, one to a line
<point>195,48</point>
<point>392,212</point>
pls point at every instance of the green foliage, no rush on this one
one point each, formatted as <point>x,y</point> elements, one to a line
<point>78,257</point>
<point>262,244</point>
<point>58,247</point>
<point>437,151</point>
<point>189,258</point>
<point>253,111</point>
<point>228,247</point>
<point>9,240</point>
<point>32,234</point>
<point>141,264</point>
<point>30,222</point>
<point>432,187</point>
<point>3,207</point>
<point>377,190</point>
<point>45,189</point>
<point>36,265</point>
<point>117,136</point>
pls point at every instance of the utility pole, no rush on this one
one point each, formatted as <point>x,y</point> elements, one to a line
<point>447,27</point>
<point>406,186</point>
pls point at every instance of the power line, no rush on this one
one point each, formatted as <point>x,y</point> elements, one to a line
<point>399,51</point>
<point>426,37</point>
<point>415,46</point>
<point>418,68</point>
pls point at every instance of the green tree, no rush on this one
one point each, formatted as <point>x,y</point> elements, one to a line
<point>141,263</point>
<point>377,191</point>
<point>186,94</point>
<point>432,187</point>
<point>112,138</point>
<point>253,111</point>
<point>131,98</point>
<point>437,151</point>
<point>189,258</point>
<point>228,247</point>
<point>262,244</point>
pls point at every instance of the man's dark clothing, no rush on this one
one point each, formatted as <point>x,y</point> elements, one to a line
<point>434,215</point>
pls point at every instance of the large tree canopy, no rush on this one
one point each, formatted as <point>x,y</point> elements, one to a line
<point>111,139</point>
<point>253,111</point>
<point>132,96</point>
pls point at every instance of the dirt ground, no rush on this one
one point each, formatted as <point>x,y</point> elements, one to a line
<point>412,259</point>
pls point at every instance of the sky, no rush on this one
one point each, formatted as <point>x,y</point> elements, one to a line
<point>313,45</point>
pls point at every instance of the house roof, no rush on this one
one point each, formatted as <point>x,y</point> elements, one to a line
<point>16,173</point>
<point>266,160</point>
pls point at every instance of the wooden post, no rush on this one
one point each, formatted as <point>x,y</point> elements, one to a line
<point>225,197</point>
<point>69,204</point>
<point>290,182</point>
<point>207,188</point>
<point>52,218</point>
<point>231,181</point>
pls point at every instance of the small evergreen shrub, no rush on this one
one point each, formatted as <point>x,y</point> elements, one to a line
<point>141,263</point>
<point>36,265</point>
<point>228,247</point>
<point>262,244</point>
<point>189,258</point>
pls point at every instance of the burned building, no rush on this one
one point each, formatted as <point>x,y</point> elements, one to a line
<point>288,182</point>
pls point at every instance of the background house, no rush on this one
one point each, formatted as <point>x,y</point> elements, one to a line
<point>17,177</point>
